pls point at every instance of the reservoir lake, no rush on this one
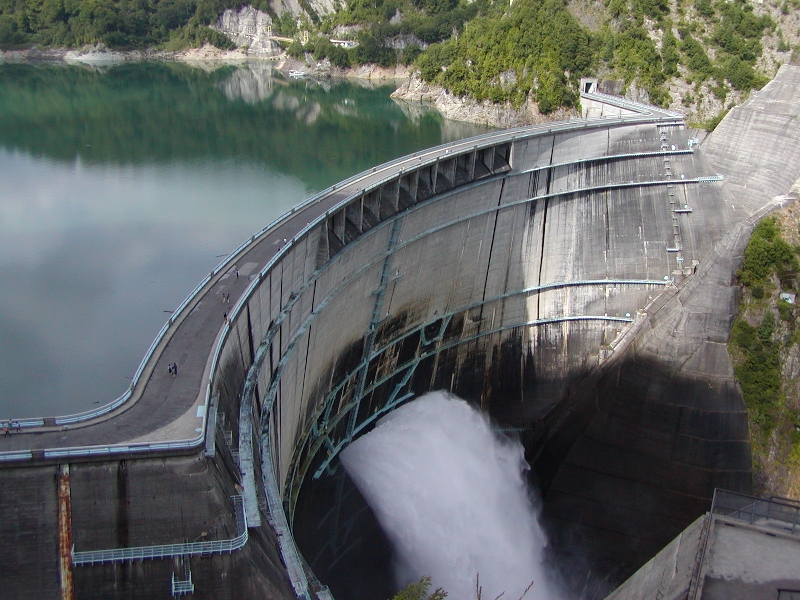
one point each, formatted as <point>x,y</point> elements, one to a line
<point>121,187</point>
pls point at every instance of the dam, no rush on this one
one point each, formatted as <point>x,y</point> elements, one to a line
<point>574,280</point>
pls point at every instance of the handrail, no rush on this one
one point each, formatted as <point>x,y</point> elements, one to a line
<point>94,557</point>
<point>135,448</point>
<point>752,510</point>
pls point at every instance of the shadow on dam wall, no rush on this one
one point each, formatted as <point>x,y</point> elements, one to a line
<point>641,454</point>
<point>642,451</point>
<point>624,456</point>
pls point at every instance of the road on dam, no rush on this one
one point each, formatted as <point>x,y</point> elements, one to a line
<point>163,408</point>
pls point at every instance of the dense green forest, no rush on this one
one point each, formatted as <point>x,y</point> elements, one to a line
<point>498,50</point>
<point>115,23</point>
<point>765,337</point>
<point>548,50</point>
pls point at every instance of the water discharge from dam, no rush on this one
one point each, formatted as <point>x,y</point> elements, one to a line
<point>449,492</point>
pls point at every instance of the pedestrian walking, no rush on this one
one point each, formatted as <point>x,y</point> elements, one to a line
<point>225,316</point>
<point>237,273</point>
<point>174,369</point>
<point>6,431</point>
<point>15,426</point>
<point>228,299</point>
<point>169,368</point>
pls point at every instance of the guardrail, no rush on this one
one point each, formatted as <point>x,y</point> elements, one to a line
<point>755,511</point>
<point>13,424</point>
<point>96,557</point>
<point>432,156</point>
<point>638,107</point>
<point>111,449</point>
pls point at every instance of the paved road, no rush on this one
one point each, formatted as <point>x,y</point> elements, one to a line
<point>165,408</point>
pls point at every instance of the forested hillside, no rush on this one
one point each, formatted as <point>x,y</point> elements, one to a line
<point>704,54</point>
<point>765,349</point>
<point>542,46</point>
<point>116,23</point>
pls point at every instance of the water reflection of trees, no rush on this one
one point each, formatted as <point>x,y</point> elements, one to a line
<point>157,112</point>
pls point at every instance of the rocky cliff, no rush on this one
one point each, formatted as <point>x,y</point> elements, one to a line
<point>473,111</point>
<point>249,29</point>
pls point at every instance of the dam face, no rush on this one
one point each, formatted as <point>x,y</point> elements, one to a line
<point>506,273</point>
<point>573,280</point>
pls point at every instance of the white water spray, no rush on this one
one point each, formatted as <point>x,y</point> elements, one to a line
<point>449,493</point>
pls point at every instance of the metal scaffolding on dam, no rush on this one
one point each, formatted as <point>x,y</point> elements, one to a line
<point>516,269</point>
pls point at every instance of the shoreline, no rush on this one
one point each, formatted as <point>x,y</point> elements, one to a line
<point>98,55</point>
<point>410,90</point>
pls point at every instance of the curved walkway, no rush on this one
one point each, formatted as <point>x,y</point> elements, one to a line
<point>166,413</point>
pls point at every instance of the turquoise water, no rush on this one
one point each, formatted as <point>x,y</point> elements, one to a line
<point>121,188</point>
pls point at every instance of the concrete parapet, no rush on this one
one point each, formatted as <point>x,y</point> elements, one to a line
<point>747,553</point>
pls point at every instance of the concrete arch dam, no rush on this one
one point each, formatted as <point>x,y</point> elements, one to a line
<point>508,273</point>
<point>574,280</point>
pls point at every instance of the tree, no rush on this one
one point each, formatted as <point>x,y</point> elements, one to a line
<point>418,590</point>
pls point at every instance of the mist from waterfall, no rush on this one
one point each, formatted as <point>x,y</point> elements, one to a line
<point>449,492</point>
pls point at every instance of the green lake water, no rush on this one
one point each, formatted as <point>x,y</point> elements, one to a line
<point>122,187</point>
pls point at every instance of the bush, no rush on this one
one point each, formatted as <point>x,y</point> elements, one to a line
<point>758,373</point>
<point>696,58</point>
<point>410,54</point>
<point>296,49</point>
<point>705,8</point>
<point>712,123</point>
<point>742,76</point>
<point>766,254</point>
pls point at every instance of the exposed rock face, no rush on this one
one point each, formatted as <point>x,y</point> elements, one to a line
<point>321,7</point>
<point>401,42</point>
<point>252,84</point>
<point>376,73</point>
<point>472,111</point>
<point>248,28</point>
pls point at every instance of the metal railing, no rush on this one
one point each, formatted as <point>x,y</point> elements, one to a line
<point>289,552</point>
<point>182,587</point>
<point>114,555</point>
<point>637,107</point>
<point>432,155</point>
<point>16,455</point>
<point>776,512</point>
<point>112,449</point>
